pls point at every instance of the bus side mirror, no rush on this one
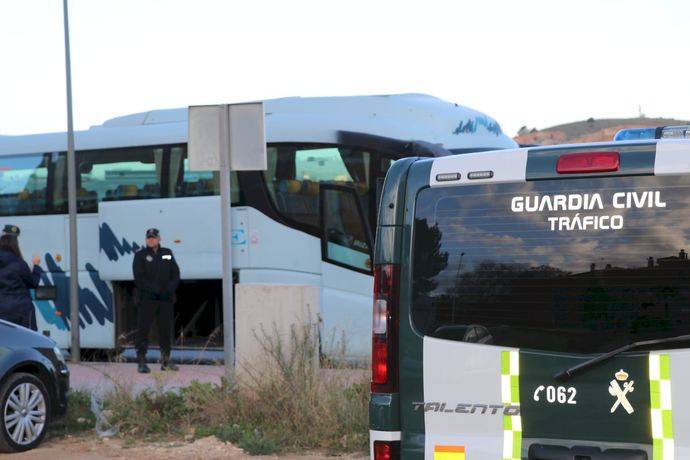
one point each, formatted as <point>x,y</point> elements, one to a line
<point>345,235</point>
<point>45,293</point>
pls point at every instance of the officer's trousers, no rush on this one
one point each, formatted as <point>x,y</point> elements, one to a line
<point>148,310</point>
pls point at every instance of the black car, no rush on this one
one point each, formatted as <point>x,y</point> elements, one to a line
<point>34,380</point>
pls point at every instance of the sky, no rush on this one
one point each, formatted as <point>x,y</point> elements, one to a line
<point>530,62</point>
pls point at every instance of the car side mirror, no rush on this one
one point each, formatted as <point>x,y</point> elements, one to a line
<point>45,293</point>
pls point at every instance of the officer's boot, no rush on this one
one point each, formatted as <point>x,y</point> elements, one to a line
<point>167,365</point>
<point>143,367</point>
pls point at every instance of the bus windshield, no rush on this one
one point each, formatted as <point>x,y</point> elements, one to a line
<point>577,265</point>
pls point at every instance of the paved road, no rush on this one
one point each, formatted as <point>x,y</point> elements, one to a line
<point>102,378</point>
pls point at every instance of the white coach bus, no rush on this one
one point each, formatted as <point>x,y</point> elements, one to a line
<point>307,219</point>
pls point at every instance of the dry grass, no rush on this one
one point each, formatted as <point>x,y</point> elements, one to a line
<point>284,404</point>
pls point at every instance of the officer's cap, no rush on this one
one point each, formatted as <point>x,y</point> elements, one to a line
<point>152,233</point>
<point>10,230</point>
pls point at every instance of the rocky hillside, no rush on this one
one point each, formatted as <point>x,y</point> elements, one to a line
<point>591,130</point>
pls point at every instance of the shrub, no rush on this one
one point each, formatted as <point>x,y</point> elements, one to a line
<point>151,412</point>
<point>78,418</point>
<point>284,404</point>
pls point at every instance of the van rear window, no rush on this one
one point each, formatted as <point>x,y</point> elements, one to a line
<point>575,265</point>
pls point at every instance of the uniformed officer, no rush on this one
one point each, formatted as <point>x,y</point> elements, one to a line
<point>156,276</point>
<point>11,230</point>
<point>16,279</point>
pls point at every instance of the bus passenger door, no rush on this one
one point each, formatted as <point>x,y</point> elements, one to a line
<point>347,281</point>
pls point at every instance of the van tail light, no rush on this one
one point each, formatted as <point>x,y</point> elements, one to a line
<point>386,450</point>
<point>588,162</point>
<point>384,352</point>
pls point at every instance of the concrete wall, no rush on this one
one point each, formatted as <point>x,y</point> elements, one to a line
<point>268,312</point>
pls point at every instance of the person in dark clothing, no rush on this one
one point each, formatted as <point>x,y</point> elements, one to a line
<point>16,279</point>
<point>156,276</point>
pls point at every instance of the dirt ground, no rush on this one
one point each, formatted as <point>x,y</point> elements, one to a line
<point>206,448</point>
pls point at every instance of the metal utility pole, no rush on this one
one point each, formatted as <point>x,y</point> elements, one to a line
<point>224,138</point>
<point>72,202</point>
<point>226,232</point>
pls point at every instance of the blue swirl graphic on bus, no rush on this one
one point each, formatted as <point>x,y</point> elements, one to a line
<point>112,246</point>
<point>92,307</point>
<point>239,237</point>
<point>470,126</point>
<point>51,314</point>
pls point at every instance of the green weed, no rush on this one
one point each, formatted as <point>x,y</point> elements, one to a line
<point>78,418</point>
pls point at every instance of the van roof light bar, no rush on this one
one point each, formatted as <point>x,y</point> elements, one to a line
<point>661,132</point>
<point>676,132</point>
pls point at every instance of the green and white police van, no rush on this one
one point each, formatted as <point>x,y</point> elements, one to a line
<point>534,303</point>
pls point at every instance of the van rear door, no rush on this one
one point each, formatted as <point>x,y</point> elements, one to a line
<point>528,262</point>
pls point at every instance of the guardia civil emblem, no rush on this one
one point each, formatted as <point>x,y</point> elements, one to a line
<point>620,393</point>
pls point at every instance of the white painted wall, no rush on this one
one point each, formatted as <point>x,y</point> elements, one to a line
<point>269,312</point>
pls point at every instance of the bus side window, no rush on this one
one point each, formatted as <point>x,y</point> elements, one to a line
<point>295,173</point>
<point>24,184</point>
<point>200,183</point>
<point>132,174</point>
<point>119,174</point>
<point>206,183</point>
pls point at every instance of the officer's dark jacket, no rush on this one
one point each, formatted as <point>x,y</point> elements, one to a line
<point>15,281</point>
<point>156,273</point>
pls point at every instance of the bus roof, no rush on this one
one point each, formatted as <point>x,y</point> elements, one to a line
<point>404,117</point>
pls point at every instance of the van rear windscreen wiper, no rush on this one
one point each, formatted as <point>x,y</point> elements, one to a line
<point>570,372</point>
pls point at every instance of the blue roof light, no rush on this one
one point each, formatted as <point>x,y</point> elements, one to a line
<point>635,134</point>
